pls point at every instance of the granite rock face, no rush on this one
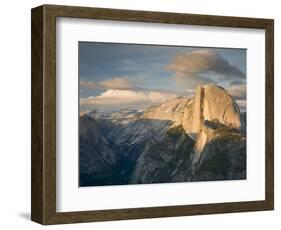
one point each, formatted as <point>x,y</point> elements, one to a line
<point>162,158</point>
<point>212,102</point>
<point>223,156</point>
<point>172,110</point>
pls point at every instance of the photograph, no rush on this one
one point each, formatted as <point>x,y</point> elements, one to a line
<point>161,114</point>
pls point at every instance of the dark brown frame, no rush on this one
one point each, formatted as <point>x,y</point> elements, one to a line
<point>43,197</point>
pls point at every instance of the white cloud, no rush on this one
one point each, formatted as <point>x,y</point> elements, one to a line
<point>118,97</point>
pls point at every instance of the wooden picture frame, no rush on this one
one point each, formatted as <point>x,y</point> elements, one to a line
<point>43,208</point>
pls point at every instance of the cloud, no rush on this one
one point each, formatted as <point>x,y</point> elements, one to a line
<point>190,81</point>
<point>114,83</point>
<point>237,82</point>
<point>242,104</point>
<point>119,97</point>
<point>195,67</point>
<point>88,84</point>
<point>237,91</point>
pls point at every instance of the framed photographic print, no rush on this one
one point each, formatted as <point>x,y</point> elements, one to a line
<point>141,114</point>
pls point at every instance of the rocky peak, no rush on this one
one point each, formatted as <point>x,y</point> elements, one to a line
<point>172,110</point>
<point>212,102</point>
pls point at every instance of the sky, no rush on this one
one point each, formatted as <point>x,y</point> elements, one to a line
<point>116,76</point>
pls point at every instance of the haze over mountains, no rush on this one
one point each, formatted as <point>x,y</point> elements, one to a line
<point>202,138</point>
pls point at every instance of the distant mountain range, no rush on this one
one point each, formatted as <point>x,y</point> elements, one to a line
<point>186,139</point>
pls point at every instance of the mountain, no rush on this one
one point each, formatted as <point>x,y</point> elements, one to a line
<point>172,110</point>
<point>161,158</point>
<point>130,130</point>
<point>97,158</point>
<point>212,102</point>
<point>223,156</point>
<point>185,139</point>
